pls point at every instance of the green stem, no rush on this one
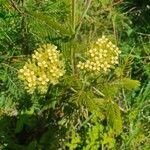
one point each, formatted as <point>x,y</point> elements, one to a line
<point>73,26</point>
<point>84,14</point>
<point>73,15</point>
<point>73,59</point>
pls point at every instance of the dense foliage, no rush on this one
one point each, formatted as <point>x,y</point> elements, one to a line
<point>74,75</point>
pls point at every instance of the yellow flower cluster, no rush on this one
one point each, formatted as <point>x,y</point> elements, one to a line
<point>102,56</point>
<point>45,67</point>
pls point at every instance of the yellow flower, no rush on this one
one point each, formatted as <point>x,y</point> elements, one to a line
<point>45,67</point>
<point>102,55</point>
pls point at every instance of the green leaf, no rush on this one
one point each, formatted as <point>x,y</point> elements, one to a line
<point>94,105</point>
<point>125,67</point>
<point>32,146</point>
<point>54,25</point>
<point>130,84</point>
<point>19,125</point>
<point>114,117</point>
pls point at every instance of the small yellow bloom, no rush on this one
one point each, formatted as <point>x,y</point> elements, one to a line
<point>86,65</point>
<point>29,79</point>
<point>92,54</point>
<point>39,64</point>
<point>25,67</point>
<point>21,70</point>
<point>30,84</point>
<point>43,82</point>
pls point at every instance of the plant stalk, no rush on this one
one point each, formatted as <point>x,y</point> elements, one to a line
<point>73,26</point>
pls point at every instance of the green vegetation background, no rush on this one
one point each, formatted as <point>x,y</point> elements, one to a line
<point>70,116</point>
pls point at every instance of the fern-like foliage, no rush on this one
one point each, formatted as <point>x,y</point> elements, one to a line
<point>114,117</point>
<point>130,84</point>
<point>125,68</point>
<point>58,28</point>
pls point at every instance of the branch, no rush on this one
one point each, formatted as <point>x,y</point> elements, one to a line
<point>15,6</point>
<point>88,3</point>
